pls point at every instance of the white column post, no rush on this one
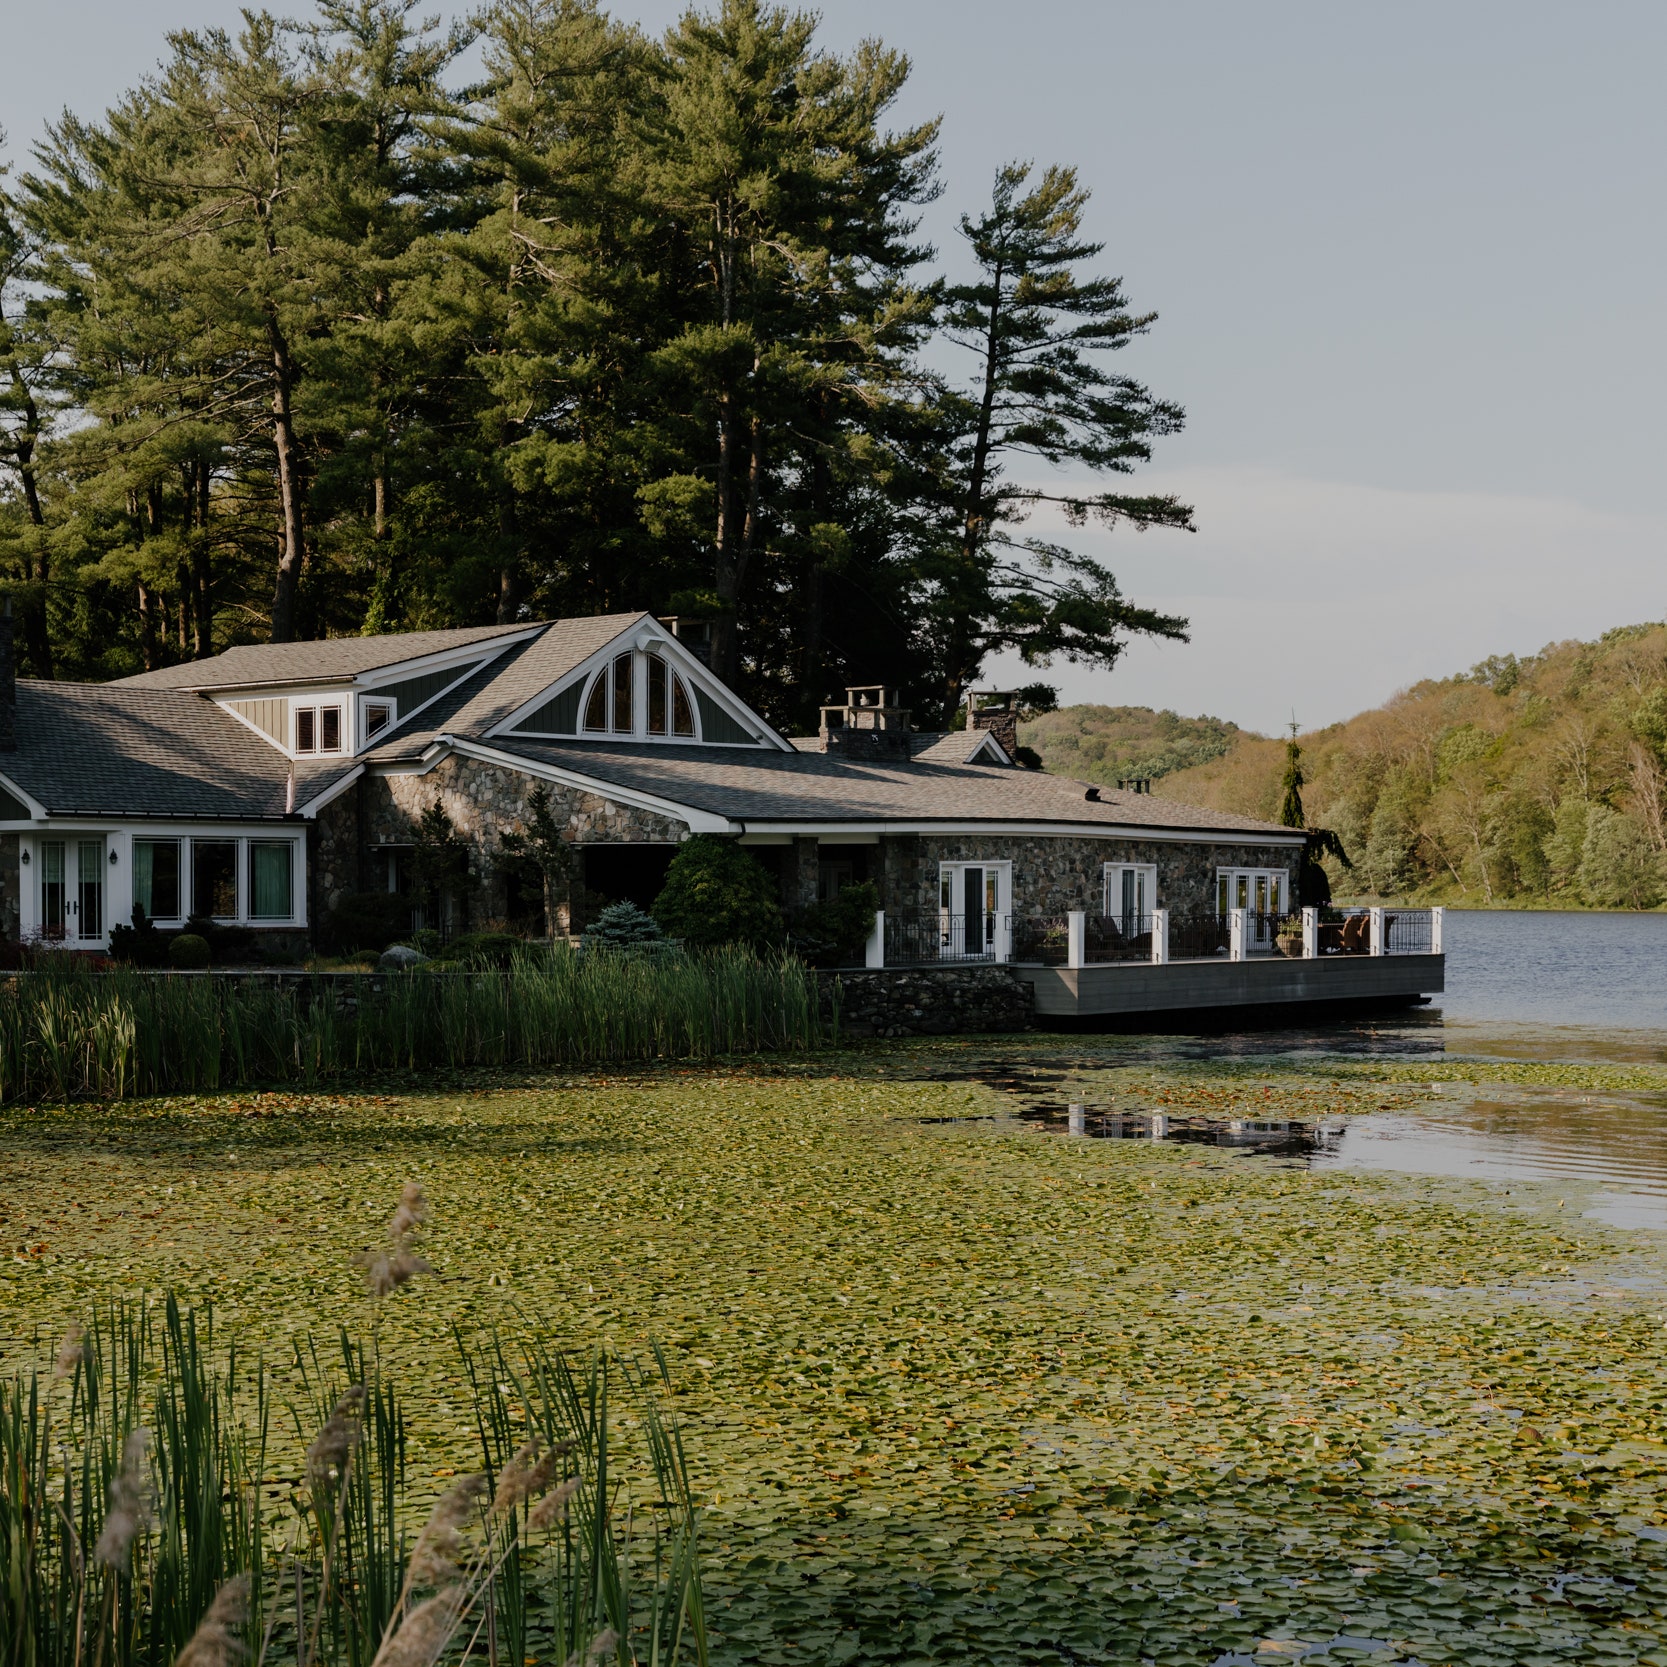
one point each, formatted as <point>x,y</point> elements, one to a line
<point>1376,918</point>
<point>1437,917</point>
<point>1235,934</point>
<point>1004,938</point>
<point>1160,937</point>
<point>875,954</point>
<point>1076,938</point>
<point>1310,934</point>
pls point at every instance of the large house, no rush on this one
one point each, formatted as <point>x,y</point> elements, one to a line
<point>264,785</point>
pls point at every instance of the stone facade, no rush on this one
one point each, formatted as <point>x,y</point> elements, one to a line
<point>932,1001</point>
<point>11,879</point>
<point>1053,875</point>
<point>484,802</point>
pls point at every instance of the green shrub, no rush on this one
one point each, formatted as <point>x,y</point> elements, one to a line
<point>624,926</point>
<point>484,949</point>
<point>717,893</point>
<point>188,952</point>
<point>139,945</point>
<point>836,932</point>
<point>366,920</point>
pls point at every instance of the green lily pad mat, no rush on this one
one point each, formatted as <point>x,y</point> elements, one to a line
<point>956,1389</point>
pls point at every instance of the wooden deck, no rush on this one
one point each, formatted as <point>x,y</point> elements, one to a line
<point>1264,981</point>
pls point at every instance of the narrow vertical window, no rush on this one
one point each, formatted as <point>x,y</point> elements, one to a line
<point>306,729</point>
<point>596,708</point>
<point>622,695</point>
<point>329,729</point>
<point>271,888</point>
<point>657,714</point>
<point>682,709</point>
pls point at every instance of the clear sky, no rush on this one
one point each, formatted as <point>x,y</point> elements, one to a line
<point>1408,264</point>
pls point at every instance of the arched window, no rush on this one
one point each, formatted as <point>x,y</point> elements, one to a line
<point>610,703</point>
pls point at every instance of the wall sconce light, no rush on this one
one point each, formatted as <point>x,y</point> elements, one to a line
<point>112,856</point>
<point>25,856</point>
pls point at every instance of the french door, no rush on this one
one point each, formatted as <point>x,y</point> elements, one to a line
<point>972,908</point>
<point>1262,893</point>
<point>72,890</point>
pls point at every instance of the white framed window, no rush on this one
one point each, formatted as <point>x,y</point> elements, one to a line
<point>1265,895</point>
<point>639,694</point>
<point>378,715</point>
<point>157,873</point>
<point>318,729</point>
<point>1130,896</point>
<point>271,888</point>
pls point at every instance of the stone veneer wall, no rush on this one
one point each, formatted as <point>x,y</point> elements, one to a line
<point>11,889</point>
<point>484,801</point>
<point>932,1001</point>
<point>1053,875</point>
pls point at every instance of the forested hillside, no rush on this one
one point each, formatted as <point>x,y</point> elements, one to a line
<point>1533,781</point>
<point>1108,744</point>
<point>304,337</point>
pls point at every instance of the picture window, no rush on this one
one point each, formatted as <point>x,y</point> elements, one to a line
<point>318,729</point>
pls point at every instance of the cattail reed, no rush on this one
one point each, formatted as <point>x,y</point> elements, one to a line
<point>341,1433</point>
<point>129,1514</point>
<point>215,1643</point>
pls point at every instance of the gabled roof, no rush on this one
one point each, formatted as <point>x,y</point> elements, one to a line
<point>774,787</point>
<point>331,660</point>
<point>108,749</point>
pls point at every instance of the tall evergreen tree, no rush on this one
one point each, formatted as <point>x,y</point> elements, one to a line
<point>1036,327</point>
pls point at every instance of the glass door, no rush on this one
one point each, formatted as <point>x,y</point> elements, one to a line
<point>54,900</point>
<point>969,911</point>
<point>1260,892</point>
<point>89,890</point>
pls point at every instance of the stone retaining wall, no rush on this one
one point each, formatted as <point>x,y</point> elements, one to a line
<point>932,1001</point>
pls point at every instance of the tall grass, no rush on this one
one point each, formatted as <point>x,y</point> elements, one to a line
<point>147,1501</point>
<point>67,1033</point>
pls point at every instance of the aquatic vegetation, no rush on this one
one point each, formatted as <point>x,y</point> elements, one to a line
<point>955,1390</point>
<point>69,1033</point>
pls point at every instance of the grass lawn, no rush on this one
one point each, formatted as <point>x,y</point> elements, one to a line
<point>961,1390</point>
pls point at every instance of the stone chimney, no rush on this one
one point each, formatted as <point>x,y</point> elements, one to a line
<point>8,680</point>
<point>997,711</point>
<point>870,723</point>
<point>694,634</point>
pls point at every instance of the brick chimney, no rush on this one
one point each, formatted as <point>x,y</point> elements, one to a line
<point>997,711</point>
<point>870,723</point>
<point>8,680</point>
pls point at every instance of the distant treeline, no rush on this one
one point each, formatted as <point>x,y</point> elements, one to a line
<point>302,338</point>
<point>1525,781</point>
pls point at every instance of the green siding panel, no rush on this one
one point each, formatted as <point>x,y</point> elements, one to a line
<point>717,725</point>
<point>415,690</point>
<point>270,717</point>
<point>559,715</point>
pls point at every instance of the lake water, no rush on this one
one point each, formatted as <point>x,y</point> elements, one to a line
<point>1564,970</point>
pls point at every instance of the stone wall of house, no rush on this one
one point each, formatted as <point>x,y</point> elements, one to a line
<point>1055,874</point>
<point>932,1001</point>
<point>484,801</point>
<point>11,889</point>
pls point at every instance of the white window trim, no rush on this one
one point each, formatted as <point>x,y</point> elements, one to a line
<point>119,875</point>
<point>363,706</point>
<point>318,705</point>
<point>1281,899</point>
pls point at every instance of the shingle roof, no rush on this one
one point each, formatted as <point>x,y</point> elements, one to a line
<point>108,749</point>
<point>762,786</point>
<point>301,662</point>
<point>507,682</point>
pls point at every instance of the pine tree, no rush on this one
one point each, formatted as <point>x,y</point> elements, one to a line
<point>1035,327</point>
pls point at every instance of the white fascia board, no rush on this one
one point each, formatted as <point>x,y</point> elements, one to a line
<point>990,745</point>
<point>473,654</point>
<point>1056,830</point>
<point>33,805</point>
<point>699,821</point>
<point>646,631</point>
<point>331,793</point>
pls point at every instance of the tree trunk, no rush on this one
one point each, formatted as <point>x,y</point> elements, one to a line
<point>725,654</point>
<point>509,588</point>
<point>147,628</point>
<point>292,553</point>
<point>973,530</point>
<point>37,639</point>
